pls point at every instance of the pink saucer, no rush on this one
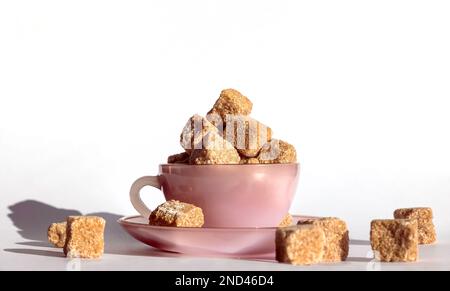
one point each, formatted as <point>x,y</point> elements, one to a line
<point>223,242</point>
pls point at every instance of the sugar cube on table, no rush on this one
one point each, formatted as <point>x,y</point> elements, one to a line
<point>85,237</point>
<point>336,237</point>
<point>300,244</point>
<point>395,240</point>
<point>424,217</point>
<point>56,234</point>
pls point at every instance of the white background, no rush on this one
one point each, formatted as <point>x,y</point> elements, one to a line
<point>93,94</point>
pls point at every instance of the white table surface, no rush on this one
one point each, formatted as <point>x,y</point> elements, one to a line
<point>28,250</point>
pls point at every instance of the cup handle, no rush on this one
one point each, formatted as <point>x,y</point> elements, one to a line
<point>135,193</point>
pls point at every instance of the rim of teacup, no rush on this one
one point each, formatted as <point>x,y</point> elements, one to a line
<point>126,220</point>
<point>231,165</point>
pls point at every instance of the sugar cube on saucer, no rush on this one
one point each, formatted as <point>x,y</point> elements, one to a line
<point>178,214</point>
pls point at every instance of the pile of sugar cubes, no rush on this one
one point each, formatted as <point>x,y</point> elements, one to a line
<point>327,239</point>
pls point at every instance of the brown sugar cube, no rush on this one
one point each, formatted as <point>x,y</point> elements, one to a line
<point>395,240</point>
<point>231,102</point>
<point>246,134</point>
<point>214,157</point>
<point>248,161</point>
<point>424,217</point>
<point>287,221</point>
<point>85,237</point>
<point>277,152</point>
<point>336,237</point>
<point>423,213</point>
<point>181,158</point>
<point>216,151</point>
<point>195,130</point>
<point>178,214</point>
<point>300,244</point>
<point>56,234</point>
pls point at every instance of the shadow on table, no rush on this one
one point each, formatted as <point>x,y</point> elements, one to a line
<point>32,219</point>
<point>36,252</point>
<point>359,242</point>
<point>359,259</point>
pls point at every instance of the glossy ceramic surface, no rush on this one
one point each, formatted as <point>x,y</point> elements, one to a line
<point>222,242</point>
<point>229,195</point>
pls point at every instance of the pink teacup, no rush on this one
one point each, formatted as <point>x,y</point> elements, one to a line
<point>230,195</point>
